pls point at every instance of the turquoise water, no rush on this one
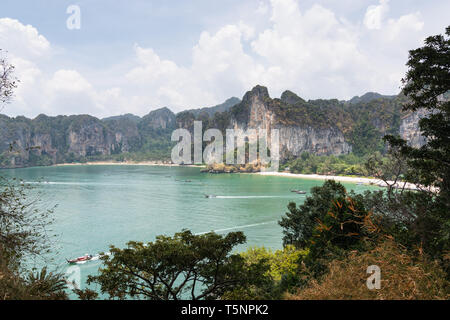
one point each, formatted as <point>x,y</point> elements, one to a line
<point>102,205</point>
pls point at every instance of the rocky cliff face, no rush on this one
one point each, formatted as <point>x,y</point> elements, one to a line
<point>322,127</point>
<point>49,140</point>
<point>409,129</point>
<point>258,111</point>
<point>295,141</point>
<point>90,138</point>
<point>126,133</point>
<point>159,119</point>
<point>409,126</point>
<point>42,145</point>
<point>15,137</point>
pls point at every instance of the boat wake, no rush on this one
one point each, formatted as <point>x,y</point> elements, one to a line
<point>238,227</point>
<point>70,183</point>
<point>249,197</point>
<point>98,256</point>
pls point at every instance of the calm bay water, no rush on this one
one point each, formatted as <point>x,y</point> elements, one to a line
<point>102,205</point>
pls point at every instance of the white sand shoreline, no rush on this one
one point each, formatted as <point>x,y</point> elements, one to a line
<point>320,177</point>
<point>371,181</point>
<point>361,180</point>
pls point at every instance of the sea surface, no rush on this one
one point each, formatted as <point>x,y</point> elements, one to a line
<point>102,205</point>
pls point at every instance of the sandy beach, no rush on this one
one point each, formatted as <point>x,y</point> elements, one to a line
<point>371,181</point>
<point>320,177</point>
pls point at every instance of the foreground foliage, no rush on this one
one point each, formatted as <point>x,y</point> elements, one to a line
<point>183,266</point>
<point>427,85</point>
<point>406,233</point>
<point>403,277</point>
<point>329,240</point>
<point>282,272</point>
<point>24,237</point>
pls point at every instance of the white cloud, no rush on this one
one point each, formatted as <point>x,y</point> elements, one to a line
<point>405,25</point>
<point>24,46</point>
<point>309,51</point>
<point>375,15</point>
<point>221,57</point>
<point>43,91</point>
<point>22,39</point>
<point>393,29</point>
<point>313,52</point>
<point>263,8</point>
<point>69,81</point>
<point>68,90</point>
<point>218,61</point>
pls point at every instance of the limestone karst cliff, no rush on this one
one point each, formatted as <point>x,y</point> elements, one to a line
<point>322,127</point>
<point>409,129</point>
<point>258,111</point>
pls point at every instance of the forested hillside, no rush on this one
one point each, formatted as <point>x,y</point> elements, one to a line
<point>320,127</point>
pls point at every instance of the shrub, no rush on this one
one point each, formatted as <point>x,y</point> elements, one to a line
<point>402,277</point>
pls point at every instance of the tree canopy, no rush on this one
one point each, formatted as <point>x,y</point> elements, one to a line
<point>185,266</point>
<point>8,82</point>
<point>427,87</point>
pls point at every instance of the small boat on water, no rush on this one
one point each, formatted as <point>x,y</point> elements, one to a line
<point>210,196</point>
<point>299,191</point>
<point>82,259</point>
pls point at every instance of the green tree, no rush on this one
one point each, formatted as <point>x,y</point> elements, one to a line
<point>328,224</point>
<point>427,87</point>
<point>282,262</point>
<point>366,137</point>
<point>342,228</point>
<point>47,285</point>
<point>182,266</point>
<point>24,235</point>
<point>23,228</point>
<point>8,82</point>
<point>299,223</point>
<point>285,272</point>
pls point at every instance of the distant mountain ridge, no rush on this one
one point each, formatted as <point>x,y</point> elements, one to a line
<point>319,126</point>
<point>128,116</point>
<point>227,105</point>
<point>369,96</point>
<point>210,111</point>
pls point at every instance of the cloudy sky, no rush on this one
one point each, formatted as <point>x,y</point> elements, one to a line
<point>139,55</point>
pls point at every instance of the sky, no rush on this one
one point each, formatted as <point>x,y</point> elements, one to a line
<point>134,56</point>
